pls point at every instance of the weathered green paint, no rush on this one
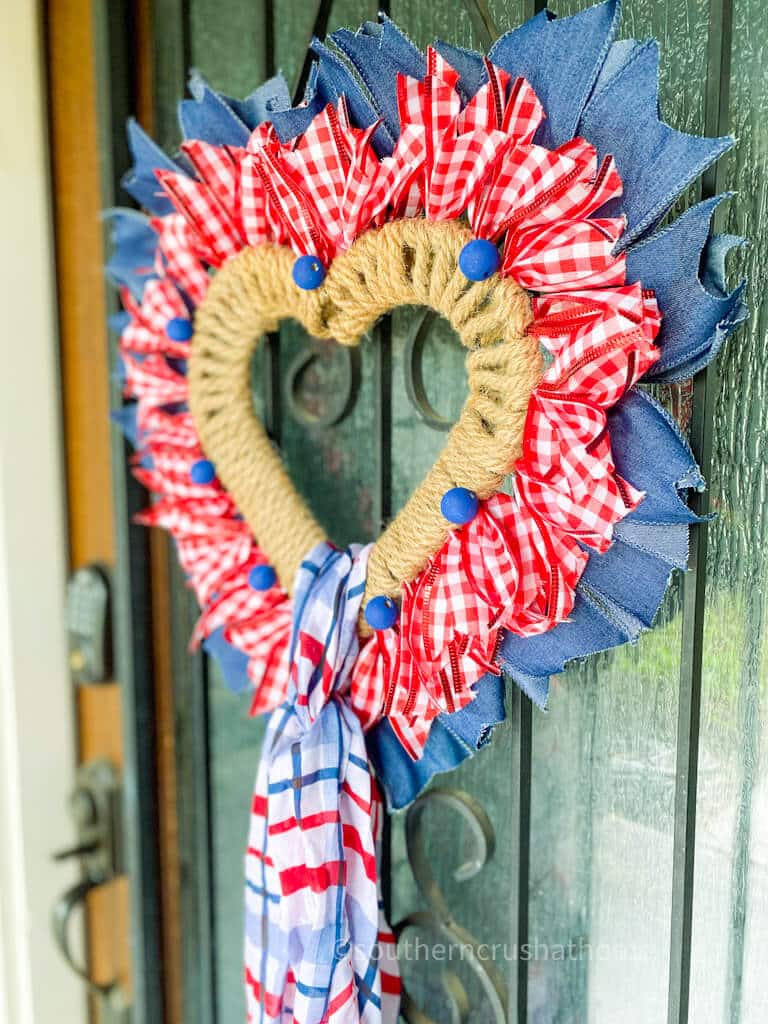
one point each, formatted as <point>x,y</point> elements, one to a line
<point>604,853</point>
<point>131,590</point>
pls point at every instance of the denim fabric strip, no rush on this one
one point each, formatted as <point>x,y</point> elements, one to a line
<point>378,52</point>
<point>270,97</point>
<point>330,79</point>
<point>469,64</point>
<point>140,181</point>
<point>125,420</point>
<point>685,267</point>
<point>134,242</point>
<point>213,117</point>
<point>561,58</point>
<point>650,451</point>
<point>232,662</point>
<point>452,739</point>
<point>209,117</point>
<point>118,321</point>
<point>656,162</point>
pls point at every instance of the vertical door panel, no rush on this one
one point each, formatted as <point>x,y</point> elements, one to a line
<point>227,44</point>
<point>480,818</point>
<point>731,888</point>
<point>605,755</point>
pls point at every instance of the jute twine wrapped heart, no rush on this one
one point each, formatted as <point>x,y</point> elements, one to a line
<point>406,262</point>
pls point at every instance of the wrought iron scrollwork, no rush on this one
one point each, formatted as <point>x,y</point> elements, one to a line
<point>414,379</point>
<point>439,917</point>
<point>344,395</point>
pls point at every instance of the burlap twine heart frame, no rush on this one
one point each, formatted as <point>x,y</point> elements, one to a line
<point>406,262</point>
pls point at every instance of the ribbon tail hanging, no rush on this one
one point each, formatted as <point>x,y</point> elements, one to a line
<point>317,948</point>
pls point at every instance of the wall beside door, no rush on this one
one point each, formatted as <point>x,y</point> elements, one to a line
<point>37,742</point>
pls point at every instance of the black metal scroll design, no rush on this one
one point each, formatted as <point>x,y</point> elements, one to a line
<point>423,323</point>
<point>344,394</point>
<point>414,378</point>
<point>439,918</point>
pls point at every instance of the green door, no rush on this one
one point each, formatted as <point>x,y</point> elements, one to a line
<point>606,861</point>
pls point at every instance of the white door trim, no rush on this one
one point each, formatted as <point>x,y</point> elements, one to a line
<point>37,737</point>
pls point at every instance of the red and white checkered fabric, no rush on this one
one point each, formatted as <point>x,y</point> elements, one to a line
<point>145,333</point>
<point>178,257</point>
<point>214,234</point>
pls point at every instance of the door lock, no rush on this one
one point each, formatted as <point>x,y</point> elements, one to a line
<point>96,809</point>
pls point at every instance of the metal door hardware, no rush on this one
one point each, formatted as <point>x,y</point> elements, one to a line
<point>88,615</point>
<point>96,809</point>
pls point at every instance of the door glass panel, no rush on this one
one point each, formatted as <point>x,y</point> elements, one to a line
<point>730,931</point>
<point>604,755</point>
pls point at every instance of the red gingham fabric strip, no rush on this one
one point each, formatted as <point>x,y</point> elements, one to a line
<point>179,260</point>
<point>216,236</point>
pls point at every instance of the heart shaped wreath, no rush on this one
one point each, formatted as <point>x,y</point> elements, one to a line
<point>518,196</point>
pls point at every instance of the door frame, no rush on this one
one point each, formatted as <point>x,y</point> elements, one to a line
<point>37,728</point>
<point>111,35</point>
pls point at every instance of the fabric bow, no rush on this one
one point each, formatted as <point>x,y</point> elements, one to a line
<point>318,949</point>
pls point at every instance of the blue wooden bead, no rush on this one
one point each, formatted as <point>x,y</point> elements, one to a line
<point>381,612</point>
<point>262,577</point>
<point>479,259</point>
<point>460,505</point>
<point>202,472</point>
<point>179,328</point>
<point>308,273</point>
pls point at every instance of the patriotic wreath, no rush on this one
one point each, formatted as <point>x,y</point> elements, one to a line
<point>519,196</point>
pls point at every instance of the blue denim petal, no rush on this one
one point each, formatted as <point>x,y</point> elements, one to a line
<point>119,321</point>
<point>232,662</point>
<point>651,453</point>
<point>656,162</point>
<point>378,52</point>
<point>291,123</point>
<point>209,117</point>
<point>618,56</point>
<point>140,182</point>
<point>633,580</point>
<point>593,626</point>
<point>561,58</point>
<point>452,739</point>
<point>685,267</point>
<point>132,262</point>
<point>669,544</point>
<point>126,420</point>
<point>616,600</point>
<point>223,121</point>
<point>330,79</point>
<point>469,64</point>
<point>335,78</point>
<point>270,97</point>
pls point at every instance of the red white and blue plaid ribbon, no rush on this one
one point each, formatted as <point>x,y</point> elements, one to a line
<point>318,949</point>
